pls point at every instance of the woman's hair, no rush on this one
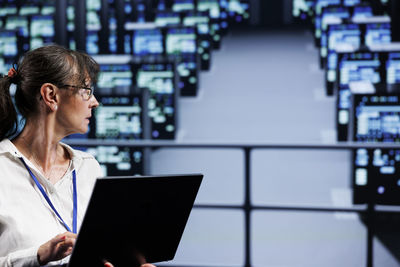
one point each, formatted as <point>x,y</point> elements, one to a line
<point>48,64</point>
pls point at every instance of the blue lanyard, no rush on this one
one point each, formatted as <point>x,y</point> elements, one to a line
<point>75,199</point>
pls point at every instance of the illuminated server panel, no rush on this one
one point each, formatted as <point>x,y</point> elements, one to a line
<point>376,172</point>
<point>122,113</point>
<point>147,42</point>
<point>325,10</point>
<point>214,10</point>
<point>130,11</point>
<point>93,26</point>
<point>351,2</point>
<point>201,21</point>
<point>351,36</point>
<point>20,24</point>
<point>181,5</point>
<point>331,14</point>
<point>362,10</point>
<point>376,118</point>
<point>319,5</point>
<point>9,8</point>
<point>337,22</point>
<point>238,10</point>
<point>119,160</point>
<point>112,22</point>
<point>339,36</point>
<point>8,49</point>
<point>181,45</point>
<point>354,67</point>
<point>134,13</point>
<point>161,81</point>
<point>165,18</point>
<point>218,11</point>
<point>376,176</point>
<point>224,16</point>
<point>115,76</point>
<point>33,21</point>
<point>9,17</point>
<point>119,117</point>
<point>393,72</point>
<point>303,9</point>
<point>380,69</point>
<point>377,33</point>
<point>342,15</point>
<point>217,14</point>
<point>70,13</point>
<point>44,20</point>
<point>123,16</point>
<point>41,30</point>
<point>143,10</point>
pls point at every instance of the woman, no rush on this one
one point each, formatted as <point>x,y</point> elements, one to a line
<point>44,184</point>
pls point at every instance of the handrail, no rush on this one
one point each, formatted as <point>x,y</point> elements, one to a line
<point>217,144</point>
<point>359,209</point>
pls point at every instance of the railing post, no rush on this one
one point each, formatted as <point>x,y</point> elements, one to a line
<point>370,235</point>
<point>247,206</point>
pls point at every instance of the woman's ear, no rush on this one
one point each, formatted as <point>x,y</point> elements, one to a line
<point>49,94</point>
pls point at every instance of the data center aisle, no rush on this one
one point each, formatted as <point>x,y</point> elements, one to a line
<point>263,86</point>
<point>266,87</point>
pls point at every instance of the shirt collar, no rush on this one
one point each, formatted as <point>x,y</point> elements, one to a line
<point>7,147</point>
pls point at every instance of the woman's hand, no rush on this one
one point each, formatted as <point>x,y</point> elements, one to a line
<point>61,246</point>
<point>139,257</point>
<point>56,248</point>
<point>108,264</point>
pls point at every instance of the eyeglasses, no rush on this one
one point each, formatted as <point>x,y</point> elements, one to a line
<point>88,91</point>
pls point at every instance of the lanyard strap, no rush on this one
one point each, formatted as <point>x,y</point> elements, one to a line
<point>75,198</point>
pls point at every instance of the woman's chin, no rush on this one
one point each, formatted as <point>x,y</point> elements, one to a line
<point>83,130</point>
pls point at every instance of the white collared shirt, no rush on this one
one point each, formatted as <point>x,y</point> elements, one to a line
<point>26,220</point>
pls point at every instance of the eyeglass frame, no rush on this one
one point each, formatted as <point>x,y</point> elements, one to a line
<point>91,90</point>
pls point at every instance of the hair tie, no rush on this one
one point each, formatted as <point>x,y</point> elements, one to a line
<point>13,75</point>
<point>12,72</point>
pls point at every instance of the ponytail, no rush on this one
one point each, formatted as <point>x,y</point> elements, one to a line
<point>8,113</point>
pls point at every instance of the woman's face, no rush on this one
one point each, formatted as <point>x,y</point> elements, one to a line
<point>75,108</point>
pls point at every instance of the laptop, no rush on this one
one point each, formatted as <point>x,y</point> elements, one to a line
<point>136,219</point>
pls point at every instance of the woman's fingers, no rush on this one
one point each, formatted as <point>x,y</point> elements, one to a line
<point>64,244</point>
<point>68,242</point>
<point>61,246</point>
<point>142,261</point>
<point>108,264</point>
<point>57,248</point>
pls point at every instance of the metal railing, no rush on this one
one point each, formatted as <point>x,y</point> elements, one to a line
<point>368,210</point>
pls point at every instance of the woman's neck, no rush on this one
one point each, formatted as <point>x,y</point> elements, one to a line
<point>39,144</point>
